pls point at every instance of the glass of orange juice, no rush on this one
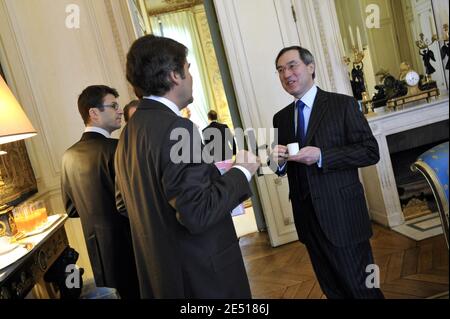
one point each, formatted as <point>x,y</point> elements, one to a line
<point>22,218</point>
<point>40,212</point>
<point>30,218</point>
<point>19,219</point>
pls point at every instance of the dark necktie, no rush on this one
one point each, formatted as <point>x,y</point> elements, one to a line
<point>300,122</point>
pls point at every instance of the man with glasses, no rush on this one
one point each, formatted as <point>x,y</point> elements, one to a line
<point>327,198</point>
<point>88,190</point>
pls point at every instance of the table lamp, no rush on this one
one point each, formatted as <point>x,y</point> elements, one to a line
<point>14,124</point>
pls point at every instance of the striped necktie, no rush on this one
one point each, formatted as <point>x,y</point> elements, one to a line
<point>300,122</point>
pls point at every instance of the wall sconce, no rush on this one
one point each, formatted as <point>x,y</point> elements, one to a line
<point>14,124</point>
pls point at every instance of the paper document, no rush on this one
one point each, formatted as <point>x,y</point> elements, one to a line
<point>223,167</point>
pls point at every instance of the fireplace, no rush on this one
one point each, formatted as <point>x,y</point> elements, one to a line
<point>415,195</point>
<point>402,136</point>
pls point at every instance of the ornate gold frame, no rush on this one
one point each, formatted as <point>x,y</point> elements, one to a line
<point>17,180</point>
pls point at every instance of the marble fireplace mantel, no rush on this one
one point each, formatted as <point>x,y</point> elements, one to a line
<point>379,181</point>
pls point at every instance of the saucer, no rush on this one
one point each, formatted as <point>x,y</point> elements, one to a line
<point>6,246</point>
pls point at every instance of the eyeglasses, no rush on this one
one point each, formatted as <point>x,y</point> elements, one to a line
<point>291,66</point>
<point>114,105</point>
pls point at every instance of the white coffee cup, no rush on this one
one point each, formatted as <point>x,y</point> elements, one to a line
<point>293,149</point>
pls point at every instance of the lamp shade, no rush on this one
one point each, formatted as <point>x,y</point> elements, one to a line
<point>14,124</point>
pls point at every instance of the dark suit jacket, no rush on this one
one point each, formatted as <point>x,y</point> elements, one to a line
<point>227,145</point>
<point>340,130</point>
<point>88,193</point>
<point>185,242</point>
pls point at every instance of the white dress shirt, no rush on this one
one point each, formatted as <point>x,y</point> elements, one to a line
<point>99,130</point>
<point>308,99</point>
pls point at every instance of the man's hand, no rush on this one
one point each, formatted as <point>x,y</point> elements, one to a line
<point>248,160</point>
<point>279,155</point>
<point>308,155</point>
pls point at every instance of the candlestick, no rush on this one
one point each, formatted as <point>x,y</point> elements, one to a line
<point>346,46</point>
<point>351,36</point>
<point>358,36</point>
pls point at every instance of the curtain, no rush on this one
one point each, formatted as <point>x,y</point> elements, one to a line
<point>181,27</point>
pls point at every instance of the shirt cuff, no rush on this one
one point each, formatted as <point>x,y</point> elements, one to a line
<point>319,162</point>
<point>248,175</point>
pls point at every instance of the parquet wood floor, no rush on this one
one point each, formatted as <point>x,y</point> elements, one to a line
<point>408,269</point>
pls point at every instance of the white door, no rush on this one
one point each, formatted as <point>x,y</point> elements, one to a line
<point>252,39</point>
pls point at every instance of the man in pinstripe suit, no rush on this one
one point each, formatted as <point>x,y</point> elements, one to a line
<point>327,197</point>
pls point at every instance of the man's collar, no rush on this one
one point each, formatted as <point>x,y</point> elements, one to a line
<point>166,102</point>
<point>309,97</point>
<point>97,129</point>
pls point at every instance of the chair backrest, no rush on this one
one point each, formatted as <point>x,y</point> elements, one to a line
<point>433,164</point>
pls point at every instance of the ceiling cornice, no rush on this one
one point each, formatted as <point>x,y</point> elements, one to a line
<point>172,5</point>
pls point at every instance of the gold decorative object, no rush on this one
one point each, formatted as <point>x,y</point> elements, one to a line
<point>7,223</point>
<point>427,55</point>
<point>357,74</point>
<point>367,104</point>
<point>412,80</point>
<point>415,208</point>
<point>423,95</point>
<point>404,69</point>
<point>358,57</point>
<point>424,43</point>
<point>445,33</point>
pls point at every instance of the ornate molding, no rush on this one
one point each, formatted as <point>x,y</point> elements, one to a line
<point>117,39</point>
<point>174,5</point>
<point>95,27</point>
<point>324,44</point>
<point>220,103</point>
<point>115,32</point>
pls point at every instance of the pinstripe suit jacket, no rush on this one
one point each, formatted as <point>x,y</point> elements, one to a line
<point>340,130</point>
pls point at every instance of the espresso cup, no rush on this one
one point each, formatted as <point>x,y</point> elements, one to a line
<point>293,149</point>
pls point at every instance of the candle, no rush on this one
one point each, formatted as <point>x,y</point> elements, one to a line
<point>358,36</point>
<point>351,36</point>
<point>346,46</point>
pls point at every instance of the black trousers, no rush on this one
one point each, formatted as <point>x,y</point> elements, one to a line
<point>341,271</point>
